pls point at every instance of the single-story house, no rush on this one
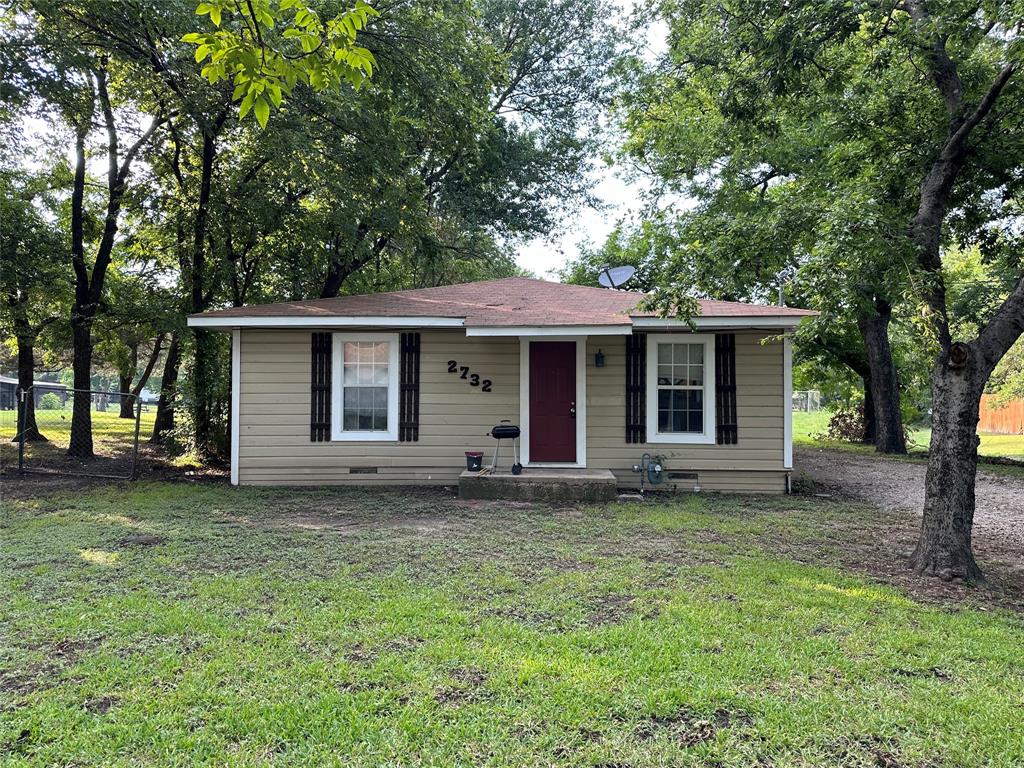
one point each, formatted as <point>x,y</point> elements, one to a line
<point>393,388</point>
<point>9,392</point>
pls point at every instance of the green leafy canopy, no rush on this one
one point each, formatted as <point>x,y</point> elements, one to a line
<point>266,48</point>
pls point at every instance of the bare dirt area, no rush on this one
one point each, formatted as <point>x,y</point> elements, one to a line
<point>72,475</point>
<point>898,485</point>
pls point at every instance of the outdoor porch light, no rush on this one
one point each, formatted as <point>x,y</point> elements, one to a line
<point>599,359</point>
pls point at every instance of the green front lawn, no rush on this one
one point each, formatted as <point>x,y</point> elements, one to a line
<point>201,625</point>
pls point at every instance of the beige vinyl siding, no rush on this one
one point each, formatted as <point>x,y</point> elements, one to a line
<point>754,463</point>
<point>274,444</point>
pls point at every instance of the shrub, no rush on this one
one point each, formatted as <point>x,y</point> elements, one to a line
<point>846,424</point>
<point>49,402</point>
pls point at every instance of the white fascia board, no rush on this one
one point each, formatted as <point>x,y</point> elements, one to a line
<point>704,323</point>
<point>227,323</point>
<point>550,330</point>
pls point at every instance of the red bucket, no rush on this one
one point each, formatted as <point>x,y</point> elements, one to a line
<point>474,460</point>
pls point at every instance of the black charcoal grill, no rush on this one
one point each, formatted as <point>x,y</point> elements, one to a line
<point>506,431</point>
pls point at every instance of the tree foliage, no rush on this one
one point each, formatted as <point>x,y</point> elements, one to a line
<point>854,142</point>
<point>265,48</point>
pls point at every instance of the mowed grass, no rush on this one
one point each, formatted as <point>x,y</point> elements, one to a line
<point>56,424</point>
<point>808,426</point>
<point>173,624</point>
<point>112,436</point>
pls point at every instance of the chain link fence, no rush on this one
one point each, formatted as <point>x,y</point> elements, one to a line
<point>38,438</point>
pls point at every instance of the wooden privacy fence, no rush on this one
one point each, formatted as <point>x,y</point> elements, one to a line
<point>1008,420</point>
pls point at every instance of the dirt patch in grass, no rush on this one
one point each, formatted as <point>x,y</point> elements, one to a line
<point>869,751</point>
<point>469,686</point>
<point>612,609</point>
<point>101,704</point>
<point>142,540</point>
<point>689,728</point>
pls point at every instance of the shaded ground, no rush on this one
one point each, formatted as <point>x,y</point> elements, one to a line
<point>198,624</point>
<point>898,485</point>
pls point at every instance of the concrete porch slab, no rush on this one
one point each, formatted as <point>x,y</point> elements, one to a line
<point>540,484</point>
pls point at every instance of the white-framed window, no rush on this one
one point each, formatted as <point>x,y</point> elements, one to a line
<point>680,388</point>
<point>364,386</point>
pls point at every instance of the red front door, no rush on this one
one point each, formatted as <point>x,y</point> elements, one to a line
<point>553,401</point>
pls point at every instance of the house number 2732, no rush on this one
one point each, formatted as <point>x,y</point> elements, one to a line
<point>473,378</point>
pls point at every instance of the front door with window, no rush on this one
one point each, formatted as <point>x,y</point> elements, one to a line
<point>552,430</point>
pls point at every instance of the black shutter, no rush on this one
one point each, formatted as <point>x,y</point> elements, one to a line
<point>409,388</point>
<point>726,431</point>
<point>636,388</point>
<point>320,389</point>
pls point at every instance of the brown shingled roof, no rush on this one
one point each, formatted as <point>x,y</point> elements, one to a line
<point>513,301</point>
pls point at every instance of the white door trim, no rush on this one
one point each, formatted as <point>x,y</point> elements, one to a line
<point>581,400</point>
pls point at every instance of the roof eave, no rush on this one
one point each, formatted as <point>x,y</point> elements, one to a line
<point>750,322</point>
<point>621,329</point>
<point>227,323</point>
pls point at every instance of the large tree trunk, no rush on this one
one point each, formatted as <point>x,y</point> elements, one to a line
<point>27,404</point>
<point>127,409</point>
<point>164,423</point>
<point>81,415</point>
<point>885,392</point>
<point>944,547</point>
<point>961,371</point>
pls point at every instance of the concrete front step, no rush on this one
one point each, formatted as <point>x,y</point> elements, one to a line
<point>540,484</point>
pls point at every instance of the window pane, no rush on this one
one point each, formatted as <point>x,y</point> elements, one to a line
<point>380,375</point>
<point>696,421</point>
<point>380,352</point>
<point>355,351</point>
<point>695,400</point>
<point>664,375</point>
<point>696,354</point>
<point>664,354</point>
<point>678,421</point>
<point>664,399</point>
<point>696,377</point>
<point>663,421</point>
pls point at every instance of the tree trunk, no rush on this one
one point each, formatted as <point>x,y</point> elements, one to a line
<point>203,363</point>
<point>870,426</point>
<point>26,374</point>
<point>81,415</point>
<point>885,392</point>
<point>164,422</point>
<point>124,387</point>
<point>944,547</point>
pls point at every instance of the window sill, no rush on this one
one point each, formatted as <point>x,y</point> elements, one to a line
<point>364,437</point>
<point>681,439</point>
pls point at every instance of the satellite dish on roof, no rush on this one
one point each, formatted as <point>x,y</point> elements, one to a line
<point>613,277</point>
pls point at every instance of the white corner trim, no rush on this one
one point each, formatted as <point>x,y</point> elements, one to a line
<point>565,332</point>
<point>787,402</point>
<point>709,323</point>
<point>393,321</point>
<point>581,400</point>
<point>707,437</point>
<point>337,371</point>
<point>236,398</point>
